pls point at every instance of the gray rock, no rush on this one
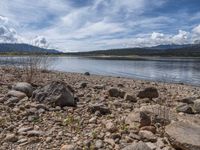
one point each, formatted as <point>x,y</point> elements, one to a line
<point>99,87</point>
<point>83,84</point>
<point>11,101</point>
<point>87,73</point>
<point>35,133</point>
<point>17,94</point>
<point>99,144</point>
<point>23,130</point>
<point>130,98</point>
<point>147,135</point>
<point>137,146</point>
<point>150,93</point>
<point>99,107</point>
<point>188,100</point>
<point>56,93</point>
<point>23,87</point>
<point>196,106</point>
<point>11,138</point>
<point>184,135</point>
<point>185,108</point>
<point>115,92</point>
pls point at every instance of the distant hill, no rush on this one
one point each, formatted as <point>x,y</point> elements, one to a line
<point>191,50</point>
<point>24,48</point>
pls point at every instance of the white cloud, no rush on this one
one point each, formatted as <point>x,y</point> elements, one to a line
<point>196,30</point>
<point>40,41</point>
<point>101,24</point>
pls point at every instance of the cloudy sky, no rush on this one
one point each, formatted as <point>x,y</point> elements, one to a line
<point>83,25</point>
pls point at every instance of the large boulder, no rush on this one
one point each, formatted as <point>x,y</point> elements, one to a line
<point>184,135</point>
<point>56,93</point>
<point>23,87</point>
<point>150,93</point>
<point>137,146</point>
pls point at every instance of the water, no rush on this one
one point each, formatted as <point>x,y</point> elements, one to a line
<point>166,70</point>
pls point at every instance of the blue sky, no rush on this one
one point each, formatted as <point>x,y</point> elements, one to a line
<point>83,25</point>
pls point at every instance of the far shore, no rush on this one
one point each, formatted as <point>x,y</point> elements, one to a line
<point>104,57</point>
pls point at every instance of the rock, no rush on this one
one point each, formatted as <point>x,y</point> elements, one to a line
<point>99,107</point>
<point>138,118</point>
<point>196,106</point>
<point>111,127</point>
<point>18,94</point>
<point>22,141</point>
<point>150,93</point>
<point>99,144</point>
<point>35,133</point>
<point>114,92</point>
<point>149,128</point>
<point>93,120</point>
<point>137,146</point>
<point>56,93</point>
<point>49,139</point>
<point>11,138</point>
<point>152,146</point>
<point>87,73</point>
<point>147,135</point>
<point>134,136</point>
<point>83,84</point>
<point>159,114</point>
<point>99,87</point>
<point>184,135</point>
<point>185,108</point>
<point>160,143</point>
<point>22,130</point>
<point>12,100</point>
<point>130,98</point>
<point>23,87</point>
<point>109,141</point>
<point>67,147</point>
<point>189,100</point>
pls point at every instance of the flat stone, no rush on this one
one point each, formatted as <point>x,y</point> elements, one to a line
<point>184,135</point>
<point>17,94</point>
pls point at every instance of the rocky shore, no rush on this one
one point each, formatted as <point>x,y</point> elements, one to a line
<point>71,111</point>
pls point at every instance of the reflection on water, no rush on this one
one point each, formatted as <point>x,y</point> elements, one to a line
<point>167,70</point>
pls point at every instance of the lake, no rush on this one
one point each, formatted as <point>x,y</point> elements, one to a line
<point>163,69</point>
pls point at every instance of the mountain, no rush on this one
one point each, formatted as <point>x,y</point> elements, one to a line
<point>24,48</point>
<point>190,50</point>
<point>171,46</point>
